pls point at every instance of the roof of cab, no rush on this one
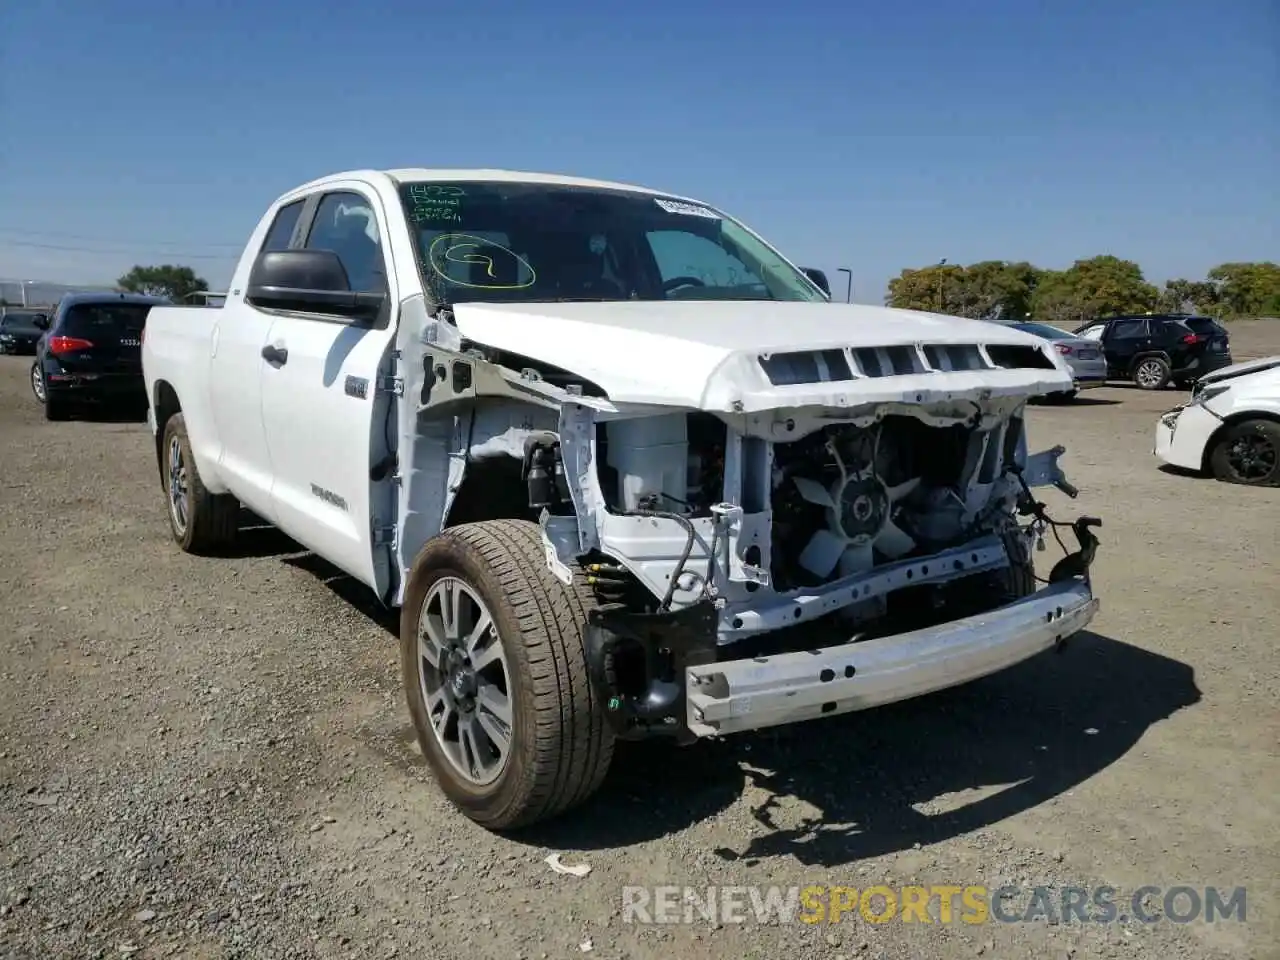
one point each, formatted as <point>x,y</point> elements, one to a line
<point>409,174</point>
<point>106,296</point>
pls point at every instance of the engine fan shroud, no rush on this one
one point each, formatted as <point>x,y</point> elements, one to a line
<point>859,512</point>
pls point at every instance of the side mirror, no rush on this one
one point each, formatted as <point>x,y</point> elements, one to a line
<point>42,322</point>
<point>309,281</point>
<point>819,278</point>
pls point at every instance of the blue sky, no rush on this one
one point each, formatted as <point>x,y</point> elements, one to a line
<point>868,135</point>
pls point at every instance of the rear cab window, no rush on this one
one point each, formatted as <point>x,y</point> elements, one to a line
<point>1046,331</point>
<point>104,321</point>
<point>1205,326</point>
<point>280,235</point>
<point>1170,328</point>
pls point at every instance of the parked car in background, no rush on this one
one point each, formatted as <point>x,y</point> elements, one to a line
<point>1083,356</point>
<point>92,351</point>
<point>1230,427</point>
<point>1153,350</point>
<point>21,330</point>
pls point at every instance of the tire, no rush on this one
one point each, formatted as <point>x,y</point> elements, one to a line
<point>38,386</point>
<point>1151,373</point>
<point>559,743</point>
<point>57,408</point>
<point>1019,578</point>
<point>209,521</point>
<point>1248,453</point>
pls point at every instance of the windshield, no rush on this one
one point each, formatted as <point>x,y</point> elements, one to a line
<point>104,320</point>
<point>1044,330</point>
<point>495,241</point>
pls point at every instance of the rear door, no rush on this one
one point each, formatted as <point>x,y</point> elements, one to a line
<point>1214,334</point>
<point>1123,341</point>
<point>328,425</point>
<point>1184,346</point>
<point>236,373</point>
<point>103,338</point>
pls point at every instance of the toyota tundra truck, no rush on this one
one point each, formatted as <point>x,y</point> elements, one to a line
<point>623,468</point>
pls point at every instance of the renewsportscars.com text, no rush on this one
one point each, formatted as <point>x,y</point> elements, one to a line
<point>973,904</point>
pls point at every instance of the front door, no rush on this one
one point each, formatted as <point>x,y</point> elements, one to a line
<point>329,427</point>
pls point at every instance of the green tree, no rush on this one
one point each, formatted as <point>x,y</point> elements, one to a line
<point>1247,289</point>
<point>1194,296</point>
<point>168,280</point>
<point>996,288</point>
<point>1091,288</point>
<point>925,288</point>
<point>1054,299</point>
<point>983,291</point>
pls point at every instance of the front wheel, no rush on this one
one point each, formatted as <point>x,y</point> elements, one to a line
<point>495,674</point>
<point>1249,453</point>
<point>1151,373</point>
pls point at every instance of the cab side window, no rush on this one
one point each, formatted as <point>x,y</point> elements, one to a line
<point>282,227</point>
<point>1129,330</point>
<point>345,223</point>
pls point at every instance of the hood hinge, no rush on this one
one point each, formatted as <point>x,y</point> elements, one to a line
<point>392,384</point>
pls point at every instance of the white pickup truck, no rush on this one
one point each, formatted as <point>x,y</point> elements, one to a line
<point>625,470</point>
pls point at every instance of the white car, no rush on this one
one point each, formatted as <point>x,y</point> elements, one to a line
<point>604,448</point>
<point>1230,427</point>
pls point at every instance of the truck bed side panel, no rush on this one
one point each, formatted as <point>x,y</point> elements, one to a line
<point>176,354</point>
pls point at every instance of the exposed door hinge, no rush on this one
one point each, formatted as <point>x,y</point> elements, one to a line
<point>392,385</point>
<point>383,536</point>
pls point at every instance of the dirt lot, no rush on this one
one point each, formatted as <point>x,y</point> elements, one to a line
<point>209,758</point>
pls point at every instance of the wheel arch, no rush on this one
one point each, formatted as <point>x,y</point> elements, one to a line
<point>491,489</point>
<point>1229,421</point>
<point>1147,355</point>
<point>164,404</point>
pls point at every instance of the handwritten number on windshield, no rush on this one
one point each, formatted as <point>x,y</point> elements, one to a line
<point>465,249</point>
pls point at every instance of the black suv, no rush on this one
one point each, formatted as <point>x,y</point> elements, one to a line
<point>92,351</point>
<point>20,330</point>
<point>1154,349</point>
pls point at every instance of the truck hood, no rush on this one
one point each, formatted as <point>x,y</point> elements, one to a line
<point>742,356</point>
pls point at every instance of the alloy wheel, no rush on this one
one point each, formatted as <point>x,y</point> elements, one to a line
<point>465,680</point>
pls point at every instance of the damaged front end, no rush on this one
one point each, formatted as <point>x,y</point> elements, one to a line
<point>799,545</point>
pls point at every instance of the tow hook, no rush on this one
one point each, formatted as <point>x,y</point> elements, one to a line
<point>1077,564</point>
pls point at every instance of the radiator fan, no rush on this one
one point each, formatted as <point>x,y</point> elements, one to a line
<point>859,518</point>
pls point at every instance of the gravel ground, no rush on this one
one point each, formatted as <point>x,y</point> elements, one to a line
<point>212,758</point>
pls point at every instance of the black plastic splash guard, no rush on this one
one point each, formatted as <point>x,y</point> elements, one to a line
<point>670,641</point>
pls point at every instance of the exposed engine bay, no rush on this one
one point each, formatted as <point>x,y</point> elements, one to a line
<point>848,498</point>
<point>844,499</point>
<point>790,551</point>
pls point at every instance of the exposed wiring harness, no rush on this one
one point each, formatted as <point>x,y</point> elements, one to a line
<point>1071,563</point>
<point>690,538</point>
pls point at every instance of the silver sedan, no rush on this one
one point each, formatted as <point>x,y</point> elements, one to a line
<point>1085,357</point>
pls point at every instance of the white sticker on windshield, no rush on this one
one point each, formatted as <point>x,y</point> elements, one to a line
<point>691,209</point>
